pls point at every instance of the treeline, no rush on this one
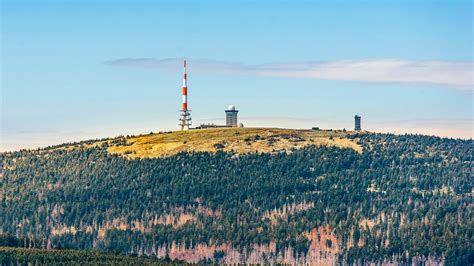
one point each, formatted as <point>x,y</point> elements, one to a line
<point>404,196</point>
<point>26,256</point>
<point>15,250</point>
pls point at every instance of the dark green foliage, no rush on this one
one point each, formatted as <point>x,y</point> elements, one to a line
<point>416,190</point>
<point>23,256</point>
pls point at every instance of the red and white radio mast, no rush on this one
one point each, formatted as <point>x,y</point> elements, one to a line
<point>185,115</point>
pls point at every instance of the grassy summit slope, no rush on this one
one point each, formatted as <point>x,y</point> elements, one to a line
<point>239,140</point>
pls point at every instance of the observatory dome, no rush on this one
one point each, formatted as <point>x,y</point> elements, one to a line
<point>231,108</point>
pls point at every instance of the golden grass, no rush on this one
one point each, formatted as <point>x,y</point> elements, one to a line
<point>238,140</point>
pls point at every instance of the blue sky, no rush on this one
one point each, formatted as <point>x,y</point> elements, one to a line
<point>74,70</point>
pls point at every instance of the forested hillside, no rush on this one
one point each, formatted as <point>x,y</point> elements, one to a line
<point>33,256</point>
<point>398,198</point>
<point>13,252</point>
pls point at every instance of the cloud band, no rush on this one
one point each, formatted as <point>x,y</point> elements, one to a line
<point>445,73</point>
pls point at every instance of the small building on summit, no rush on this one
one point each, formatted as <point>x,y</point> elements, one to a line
<point>231,116</point>
<point>357,126</point>
<point>230,120</point>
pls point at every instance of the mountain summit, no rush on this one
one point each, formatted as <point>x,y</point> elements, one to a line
<point>247,195</point>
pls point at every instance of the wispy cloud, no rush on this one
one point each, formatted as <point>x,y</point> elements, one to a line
<point>454,74</point>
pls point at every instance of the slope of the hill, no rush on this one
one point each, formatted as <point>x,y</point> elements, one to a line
<point>235,140</point>
<point>399,198</point>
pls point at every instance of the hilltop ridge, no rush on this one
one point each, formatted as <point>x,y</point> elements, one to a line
<point>234,140</point>
<point>237,140</point>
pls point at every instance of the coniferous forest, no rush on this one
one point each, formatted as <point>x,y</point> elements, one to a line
<point>404,199</point>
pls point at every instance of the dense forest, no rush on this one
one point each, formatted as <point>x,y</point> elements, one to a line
<point>12,252</point>
<point>404,198</point>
